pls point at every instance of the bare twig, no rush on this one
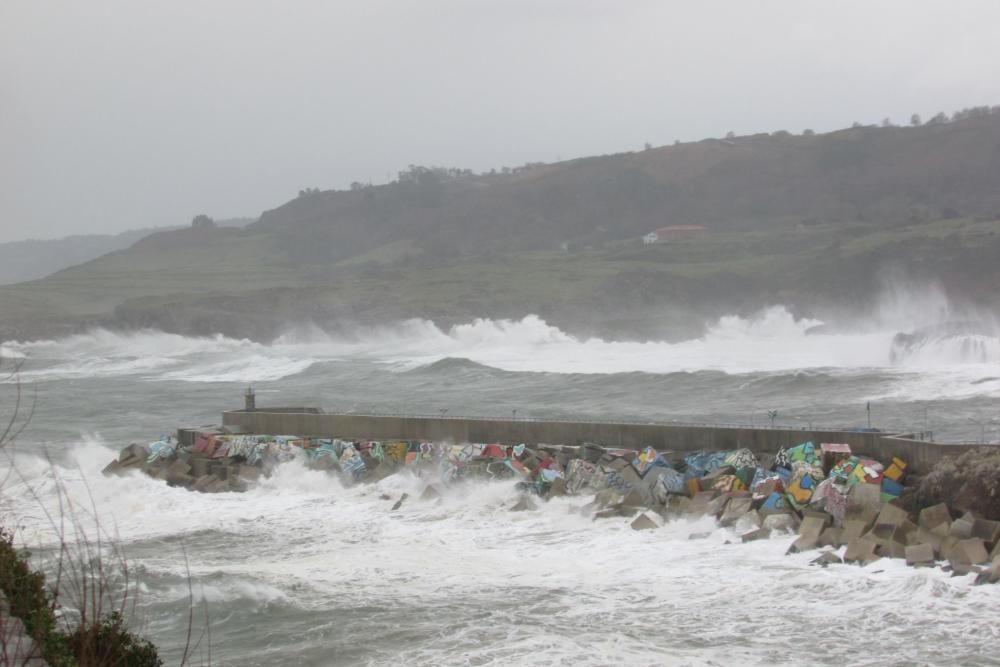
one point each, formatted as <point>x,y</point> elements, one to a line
<point>91,570</point>
<point>12,429</point>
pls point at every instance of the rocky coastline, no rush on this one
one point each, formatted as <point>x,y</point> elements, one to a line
<point>848,507</point>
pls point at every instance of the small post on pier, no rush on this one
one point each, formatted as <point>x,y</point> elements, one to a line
<point>249,400</point>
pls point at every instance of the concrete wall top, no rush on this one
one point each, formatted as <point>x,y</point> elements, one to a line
<point>919,454</point>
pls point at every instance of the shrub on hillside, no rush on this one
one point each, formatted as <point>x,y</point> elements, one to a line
<point>90,643</point>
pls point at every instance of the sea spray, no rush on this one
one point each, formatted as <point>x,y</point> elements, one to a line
<point>772,340</point>
<point>318,570</point>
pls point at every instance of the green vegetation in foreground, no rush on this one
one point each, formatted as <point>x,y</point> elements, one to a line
<point>93,642</point>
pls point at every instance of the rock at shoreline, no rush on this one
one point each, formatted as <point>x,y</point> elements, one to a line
<point>524,504</point>
<point>644,522</point>
<point>754,535</point>
<point>827,496</point>
<point>809,531</point>
<point>735,509</point>
<point>399,503</point>
<point>989,575</point>
<point>934,516</point>
<point>431,492</point>
<point>861,551</point>
<point>781,522</point>
<point>971,551</point>
<point>920,555</point>
<point>827,558</point>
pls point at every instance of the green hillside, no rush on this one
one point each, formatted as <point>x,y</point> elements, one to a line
<point>805,220</point>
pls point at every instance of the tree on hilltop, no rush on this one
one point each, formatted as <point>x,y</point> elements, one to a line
<point>202,221</point>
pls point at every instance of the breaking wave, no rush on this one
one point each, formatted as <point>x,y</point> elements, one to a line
<point>300,547</point>
<point>452,365</point>
<point>772,340</point>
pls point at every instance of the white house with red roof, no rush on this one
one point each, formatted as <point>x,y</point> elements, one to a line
<point>666,234</point>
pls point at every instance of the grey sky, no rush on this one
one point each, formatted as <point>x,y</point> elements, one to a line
<point>123,114</point>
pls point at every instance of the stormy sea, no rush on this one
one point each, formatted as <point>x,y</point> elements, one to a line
<point>301,570</point>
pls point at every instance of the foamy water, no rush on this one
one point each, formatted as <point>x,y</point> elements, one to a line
<point>773,341</point>
<point>325,575</point>
<point>303,571</point>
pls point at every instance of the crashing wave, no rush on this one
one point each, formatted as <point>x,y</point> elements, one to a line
<point>965,341</point>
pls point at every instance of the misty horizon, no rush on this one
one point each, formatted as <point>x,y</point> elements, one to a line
<point>499,332</point>
<point>914,120</point>
<point>145,117</point>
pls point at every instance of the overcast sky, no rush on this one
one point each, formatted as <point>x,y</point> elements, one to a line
<point>125,114</point>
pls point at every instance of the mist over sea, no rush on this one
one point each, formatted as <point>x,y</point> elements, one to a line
<point>301,570</point>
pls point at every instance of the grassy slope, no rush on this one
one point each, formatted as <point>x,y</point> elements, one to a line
<point>623,285</point>
<point>798,220</point>
<point>189,262</point>
<point>235,282</point>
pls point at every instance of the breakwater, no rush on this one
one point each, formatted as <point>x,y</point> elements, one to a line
<point>676,437</point>
<point>828,494</point>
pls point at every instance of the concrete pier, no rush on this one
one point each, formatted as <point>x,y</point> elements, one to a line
<point>309,422</point>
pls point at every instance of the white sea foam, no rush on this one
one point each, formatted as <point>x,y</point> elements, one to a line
<point>545,587</point>
<point>261,367</point>
<point>772,341</point>
<point>466,581</point>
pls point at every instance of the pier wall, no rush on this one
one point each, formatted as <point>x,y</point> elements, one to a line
<point>672,437</point>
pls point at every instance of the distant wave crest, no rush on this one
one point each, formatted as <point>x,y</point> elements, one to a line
<point>451,365</point>
<point>772,340</point>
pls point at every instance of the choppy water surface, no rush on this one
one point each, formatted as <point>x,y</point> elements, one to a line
<point>301,570</point>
